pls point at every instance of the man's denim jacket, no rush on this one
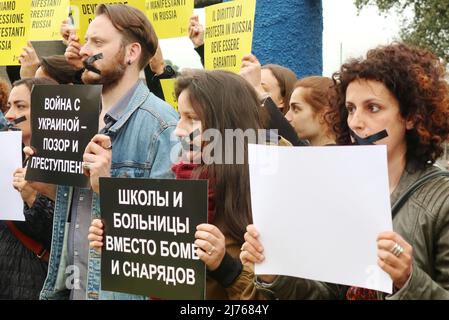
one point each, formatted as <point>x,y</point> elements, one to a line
<point>143,142</point>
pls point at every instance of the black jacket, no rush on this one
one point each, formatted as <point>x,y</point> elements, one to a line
<point>22,273</point>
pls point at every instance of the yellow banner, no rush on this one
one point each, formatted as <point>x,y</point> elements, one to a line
<point>14,30</point>
<point>168,88</point>
<point>170,18</point>
<point>46,18</point>
<point>229,34</point>
<point>83,12</point>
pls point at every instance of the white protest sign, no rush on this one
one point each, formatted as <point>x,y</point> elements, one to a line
<point>12,203</point>
<point>319,211</point>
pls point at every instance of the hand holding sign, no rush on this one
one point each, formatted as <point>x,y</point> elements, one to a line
<point>97,160</point>
<point>72,53</point>
<point>196,31</point>
<point>251,71</point>
<point>398,264</point>
<point>47,189</point>
<point>96,234</point>
<point>66,30</point>
<point>211,245</point>
<point>157,63</point>
<point>29,62</point>
<point>160,215</point>
<point>252,252</point>
<point>19,183</point>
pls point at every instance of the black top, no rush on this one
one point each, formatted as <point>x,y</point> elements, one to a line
<point>22,273</point>
<point>153,80</point>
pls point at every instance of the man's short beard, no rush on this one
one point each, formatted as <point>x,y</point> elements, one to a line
<point>110,76</point>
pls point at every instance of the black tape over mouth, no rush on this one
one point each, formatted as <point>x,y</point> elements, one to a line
<point>368,140</point>
<point>10,124</point>
<point>88,63</point>
<point>187,142</point>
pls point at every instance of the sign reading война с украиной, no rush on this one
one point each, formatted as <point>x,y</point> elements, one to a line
<point>64,118</point>
<point>149,234</point>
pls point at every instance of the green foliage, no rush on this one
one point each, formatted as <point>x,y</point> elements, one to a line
<point>429,27</point>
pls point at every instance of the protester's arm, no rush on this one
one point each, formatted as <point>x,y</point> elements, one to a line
<point>196,35</point>
<point>289,288</point>
<point>200,51</point>
<point>39,218</point>
<point>66,29</point>
<point>420,285</point>
<point>19,183</point>
<point>46,189</point>
<point>161,151</point>
<point>280,287</point>
<point>97,160</point>
<point>29,62</point>
<point>95,235</point>
<point>251,72</point>
<point>72,52</point>
<point>157,70</point>
<point>157,63</point>
<point>211,247</point>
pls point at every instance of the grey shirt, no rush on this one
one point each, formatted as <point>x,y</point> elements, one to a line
<point>78,244</point>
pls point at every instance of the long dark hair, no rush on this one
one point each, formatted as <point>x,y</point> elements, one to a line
<point>30,82</point>
<point>223,100</point>
<point>286,79</point>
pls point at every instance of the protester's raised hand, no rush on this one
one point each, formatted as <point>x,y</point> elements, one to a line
<point>252,252</point>
<point>196,31</point>
<point>211,245</point>
<point>395,257</point>
<point>157,63</point>
<point>19,183</point>
<point>29,61</point>
<point>251,71</point>
<point>72,52</point>
<point>97,160</point>
<point>95,235</point>
<point>65,30</point>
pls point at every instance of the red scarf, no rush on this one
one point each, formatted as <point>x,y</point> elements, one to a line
<point>184,171</point>
<point>356,293</point>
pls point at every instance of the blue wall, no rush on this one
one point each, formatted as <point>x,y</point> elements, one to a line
<point>289,33</point>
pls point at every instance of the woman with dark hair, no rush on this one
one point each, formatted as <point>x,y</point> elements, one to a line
<point>205,106</point>
<point>274,93</point>
<point>279,82</point>
<point>396,96</point>
<point>24,246</point>
<point>312,99</point>
<point>4,93</point>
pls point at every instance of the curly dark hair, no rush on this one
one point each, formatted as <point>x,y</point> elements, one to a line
<point>4,93</point>
<point>415,76</point>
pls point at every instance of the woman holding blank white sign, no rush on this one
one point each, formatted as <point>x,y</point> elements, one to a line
<point>24,245</point>
<point>396,96</point>
<point>206,108</point>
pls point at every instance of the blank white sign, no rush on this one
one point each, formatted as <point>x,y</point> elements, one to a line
<point>10,199</point>
<point>319,211</point>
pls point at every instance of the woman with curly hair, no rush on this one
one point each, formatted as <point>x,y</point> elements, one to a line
<point>396,96</point>
<point>4,93</point>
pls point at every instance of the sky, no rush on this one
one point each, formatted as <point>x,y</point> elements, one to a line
<point>343,29</point>
<point>353,33</point>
